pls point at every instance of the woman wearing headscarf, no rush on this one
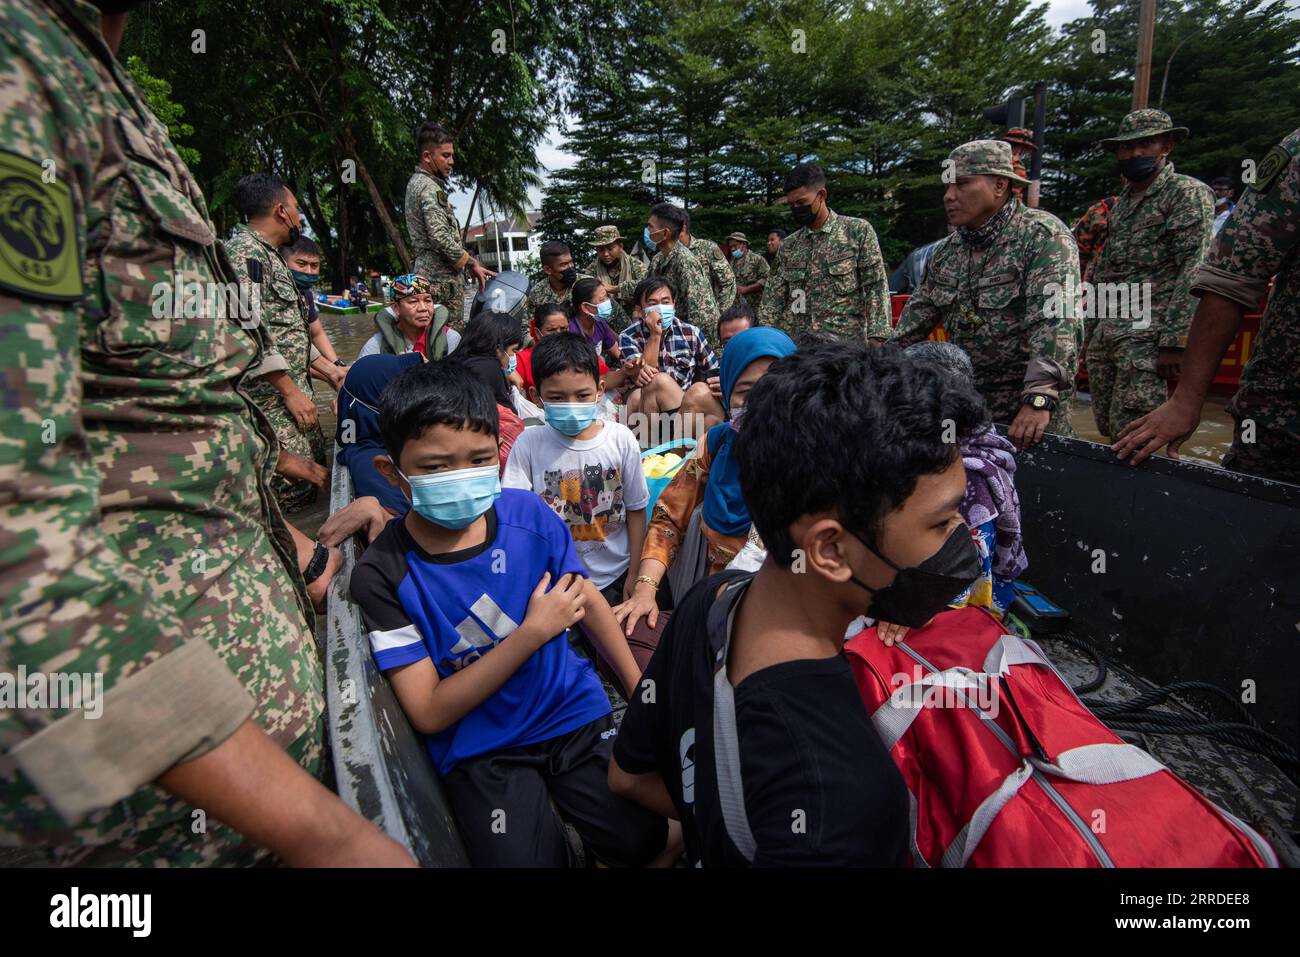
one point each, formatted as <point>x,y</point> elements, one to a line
<point>357,433</point>
<point>700,522</point>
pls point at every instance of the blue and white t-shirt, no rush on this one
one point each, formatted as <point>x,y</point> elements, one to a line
<point>456,607</point>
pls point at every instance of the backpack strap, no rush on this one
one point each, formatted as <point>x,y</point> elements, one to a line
<point>726,741</point>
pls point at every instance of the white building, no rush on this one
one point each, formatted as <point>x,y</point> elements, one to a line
<point>516,241</point>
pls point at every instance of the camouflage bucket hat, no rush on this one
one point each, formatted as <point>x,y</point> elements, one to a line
<point>605,235</point>
<point>739,237</point>
<point>1021,137</point>
<point>985,158</point>
<point>1140,124</point>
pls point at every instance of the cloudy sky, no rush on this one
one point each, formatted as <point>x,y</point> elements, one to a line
<point>553,156</point>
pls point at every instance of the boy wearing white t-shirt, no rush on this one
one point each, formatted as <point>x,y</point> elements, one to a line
<point>587,470</point>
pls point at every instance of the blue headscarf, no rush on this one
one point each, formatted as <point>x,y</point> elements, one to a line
<point>362,387</point>
<point>724,507</point>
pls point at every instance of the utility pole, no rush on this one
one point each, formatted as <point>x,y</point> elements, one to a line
<point>1146,37</point>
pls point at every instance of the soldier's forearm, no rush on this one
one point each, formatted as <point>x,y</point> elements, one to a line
<point>1213,329</point>
<point>249,783</point>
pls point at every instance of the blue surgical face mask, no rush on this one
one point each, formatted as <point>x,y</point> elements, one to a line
<point>570,417</point>
<point>512,364</point>
<point>737,253</point>
<point>667,313</point>
<point>454,499</point>
<point>646,241</point>
<point>604,309</point>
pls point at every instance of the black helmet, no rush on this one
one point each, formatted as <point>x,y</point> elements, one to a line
<point>506,292</point>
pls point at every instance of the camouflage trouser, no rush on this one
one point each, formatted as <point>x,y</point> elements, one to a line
<point>448,291</point>
<point>1274,453</point>
<point>1122,378</point>
<point>294,494</point>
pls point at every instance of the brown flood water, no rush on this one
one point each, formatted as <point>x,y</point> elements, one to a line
<point>348,333</point>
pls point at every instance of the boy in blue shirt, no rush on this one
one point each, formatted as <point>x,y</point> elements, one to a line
<point>464,599</point>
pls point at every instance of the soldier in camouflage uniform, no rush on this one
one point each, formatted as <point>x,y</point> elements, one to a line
<point>435,237</point>
<point>721,278</point>
<point>1000,285</point>
<point>687,275</point>
<point>557,279</point>
<point>284,393</point>
<point>1090,231</point>
<point>1158,232</point>
<point>750,270</point>
<point>1022,143</point>
<point>618,271</point>
<point>1260,240</point>
<point>140,539</point>
<point>828,274</point>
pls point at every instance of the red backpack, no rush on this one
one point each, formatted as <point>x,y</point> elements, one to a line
<point>1007,768</point>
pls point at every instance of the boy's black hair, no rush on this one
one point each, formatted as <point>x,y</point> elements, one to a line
<point>805,174</point>
<point>780,233</point>
<point>584,290</point>
<point>257,194</point>
<point>648,285</point>
<point>565,352</point>
<point>673,217</point>
<point>486,333</point>
<point>305,245</point>
<point>429,136</point>
<point>846,429</point>
<point>741,310</point>
<point>544,309</point>
<point>434,393</point>
<point>553,249</point>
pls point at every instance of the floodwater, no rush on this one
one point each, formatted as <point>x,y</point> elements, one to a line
<point>348,333</point>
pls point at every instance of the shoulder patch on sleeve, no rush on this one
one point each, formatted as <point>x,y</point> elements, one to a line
<point>1269,168</point>
<point>39,254</point>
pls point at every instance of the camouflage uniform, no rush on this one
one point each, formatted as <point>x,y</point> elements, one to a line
<point>627,272</point>
<point>1261,239</point>
<point>541,292</point>
<point>435,241</point>
<point>721,278</point>
<point>1090,231</point>
<point>1020,137</point>
<point>139,536</point>
<point>997,302</point>
<point>1157,237</point>
<point>749,269</point>
<point>284,314</point>
<point>830,279</point>
<point>692,290</point>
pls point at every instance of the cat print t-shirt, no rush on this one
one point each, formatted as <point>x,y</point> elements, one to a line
<point>590,483</point>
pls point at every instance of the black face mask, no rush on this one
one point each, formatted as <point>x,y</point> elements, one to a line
<point>1138,168</point>
<point>569,276</point>
<point>803,214</point>
<point>918,594</point>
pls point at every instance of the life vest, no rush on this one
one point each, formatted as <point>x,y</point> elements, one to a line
<point>392,342</point>
<point>1007,768</point>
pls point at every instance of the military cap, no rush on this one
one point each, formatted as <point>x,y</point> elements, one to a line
<point>1140,124</point>
<point>985,158</point>
<point>605,236</point>
<point>1021,137</point>
<point>739,237</point>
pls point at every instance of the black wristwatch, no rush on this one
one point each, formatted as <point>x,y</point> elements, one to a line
<point>1039,402</point>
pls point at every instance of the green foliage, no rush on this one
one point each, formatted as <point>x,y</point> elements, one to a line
<point>157,93</point>
<point>722,97</point>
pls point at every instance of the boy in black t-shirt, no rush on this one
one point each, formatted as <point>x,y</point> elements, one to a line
<point>748,725</point>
